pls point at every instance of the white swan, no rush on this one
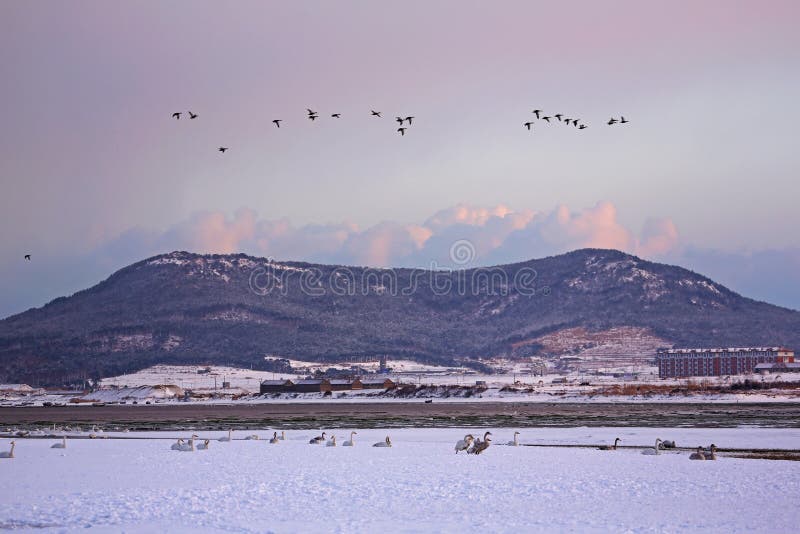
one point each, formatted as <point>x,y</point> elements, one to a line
<point>9,454</point>
<point>699,455</point>
<point>711,455</point>
<point>252,436</point>
<point>275,438</point>
<point>223,438</point>
<point>386,443</point>
<point>177,445</point>
<point>609,447</point>
<point>188,447</point>
<point>282,436</point>
<point>332,442</point>
<point>351,442</point>
<point>655,450</point>
<point>62,445</point>
<point>514,443</point>
<point>463,444</point>
<point>203,446</point>
<point>317,440</point>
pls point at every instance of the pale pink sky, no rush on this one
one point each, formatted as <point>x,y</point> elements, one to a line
<point>89,156</point>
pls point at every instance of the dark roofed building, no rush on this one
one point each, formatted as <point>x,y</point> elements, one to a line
<point>311,386</point>
<point>276,386</point>
<point>343,385</point>
<point>378,383</point>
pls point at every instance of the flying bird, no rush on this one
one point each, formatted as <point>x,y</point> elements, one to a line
<point>566,121</point>
<point>277,122</point>
<point>375,113</point>
<point>312,117</point>
<point>400,120</point>
<point>558,116</point>
<point>546,119</point>
<point>622,120</point>
<point>402,131</point>
<point>528,125</point>
<point>536,112</point>
<point>311,111</point>
<point>575,122</point>
<point>582,126</point>
<point>222,149</point>
<point>408,120</point>
<point>28,257</point>
<point>192,115</point>
<point>336,115</point>
<point>177,115</point>
<point>611,121</point>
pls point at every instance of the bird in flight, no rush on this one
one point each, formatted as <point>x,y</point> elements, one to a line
<point>582,126</point>
<point>402,131</point>
<point>192,115</point>
<point>222,149</point>
<point>622,120</point>
<point>177,115</point>
<point>528,125</point>
<point>336,115</point>
<point>408,119</point>
<point>28,257</point>
<point>375,113</point>
<point>400,120</point>
<point>277,122</point>
<point>312,117</point>
<point>546,119</point>
<point>311,111</point>
<point>611,121</point>
<point>558,116</point>
<point>575,122</point>
<point>536,112</point>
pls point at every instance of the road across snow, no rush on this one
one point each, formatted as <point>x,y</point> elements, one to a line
<point>139,485</point>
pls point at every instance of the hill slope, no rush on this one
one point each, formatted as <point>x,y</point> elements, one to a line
<point>189,308</point>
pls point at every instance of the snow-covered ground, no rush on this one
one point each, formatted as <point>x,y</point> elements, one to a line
<point>140,485</point>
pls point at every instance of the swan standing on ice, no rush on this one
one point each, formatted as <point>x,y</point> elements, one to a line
<point>62,445</point>
<point>9,454</point>
<point>609,447</point>
<point>332,442</point>
<point>463,444</point>
<point>514,443</point>
<point>223,438</point>
<point>387,443</point>
<point>177,445</point>
<point>317,440</point>
<point>711,455</point>
<point>275,438</point>
<point>481,446</point>
<point>654,451</point>
<point>350,442</point>
<point>282,436</point>
<point>252,436</point>
<point>699,455</point>
<point>204,446</point>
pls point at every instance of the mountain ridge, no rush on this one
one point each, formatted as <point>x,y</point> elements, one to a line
<point>182,307</point>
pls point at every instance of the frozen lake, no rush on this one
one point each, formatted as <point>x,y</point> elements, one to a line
<point>140,485</point>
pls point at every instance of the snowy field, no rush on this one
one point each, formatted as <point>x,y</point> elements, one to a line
<point>418,485</point>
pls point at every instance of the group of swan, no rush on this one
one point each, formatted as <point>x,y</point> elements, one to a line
<point>181,445</point>
<point>318,440</point>
<point>702,455</point>
<point>477,446</point>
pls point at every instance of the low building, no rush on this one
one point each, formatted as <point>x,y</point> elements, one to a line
<point>311,386</point>
<point>345,385</point>
<point>790,367</point>
<point>275,386</point>
<point>378,383</point>
<point>674,363</point>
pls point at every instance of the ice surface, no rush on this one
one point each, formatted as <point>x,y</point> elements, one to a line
<point>139,485</point>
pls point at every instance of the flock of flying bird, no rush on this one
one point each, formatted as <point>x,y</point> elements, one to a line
<point>568,121</point>
<point>314,115</point>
